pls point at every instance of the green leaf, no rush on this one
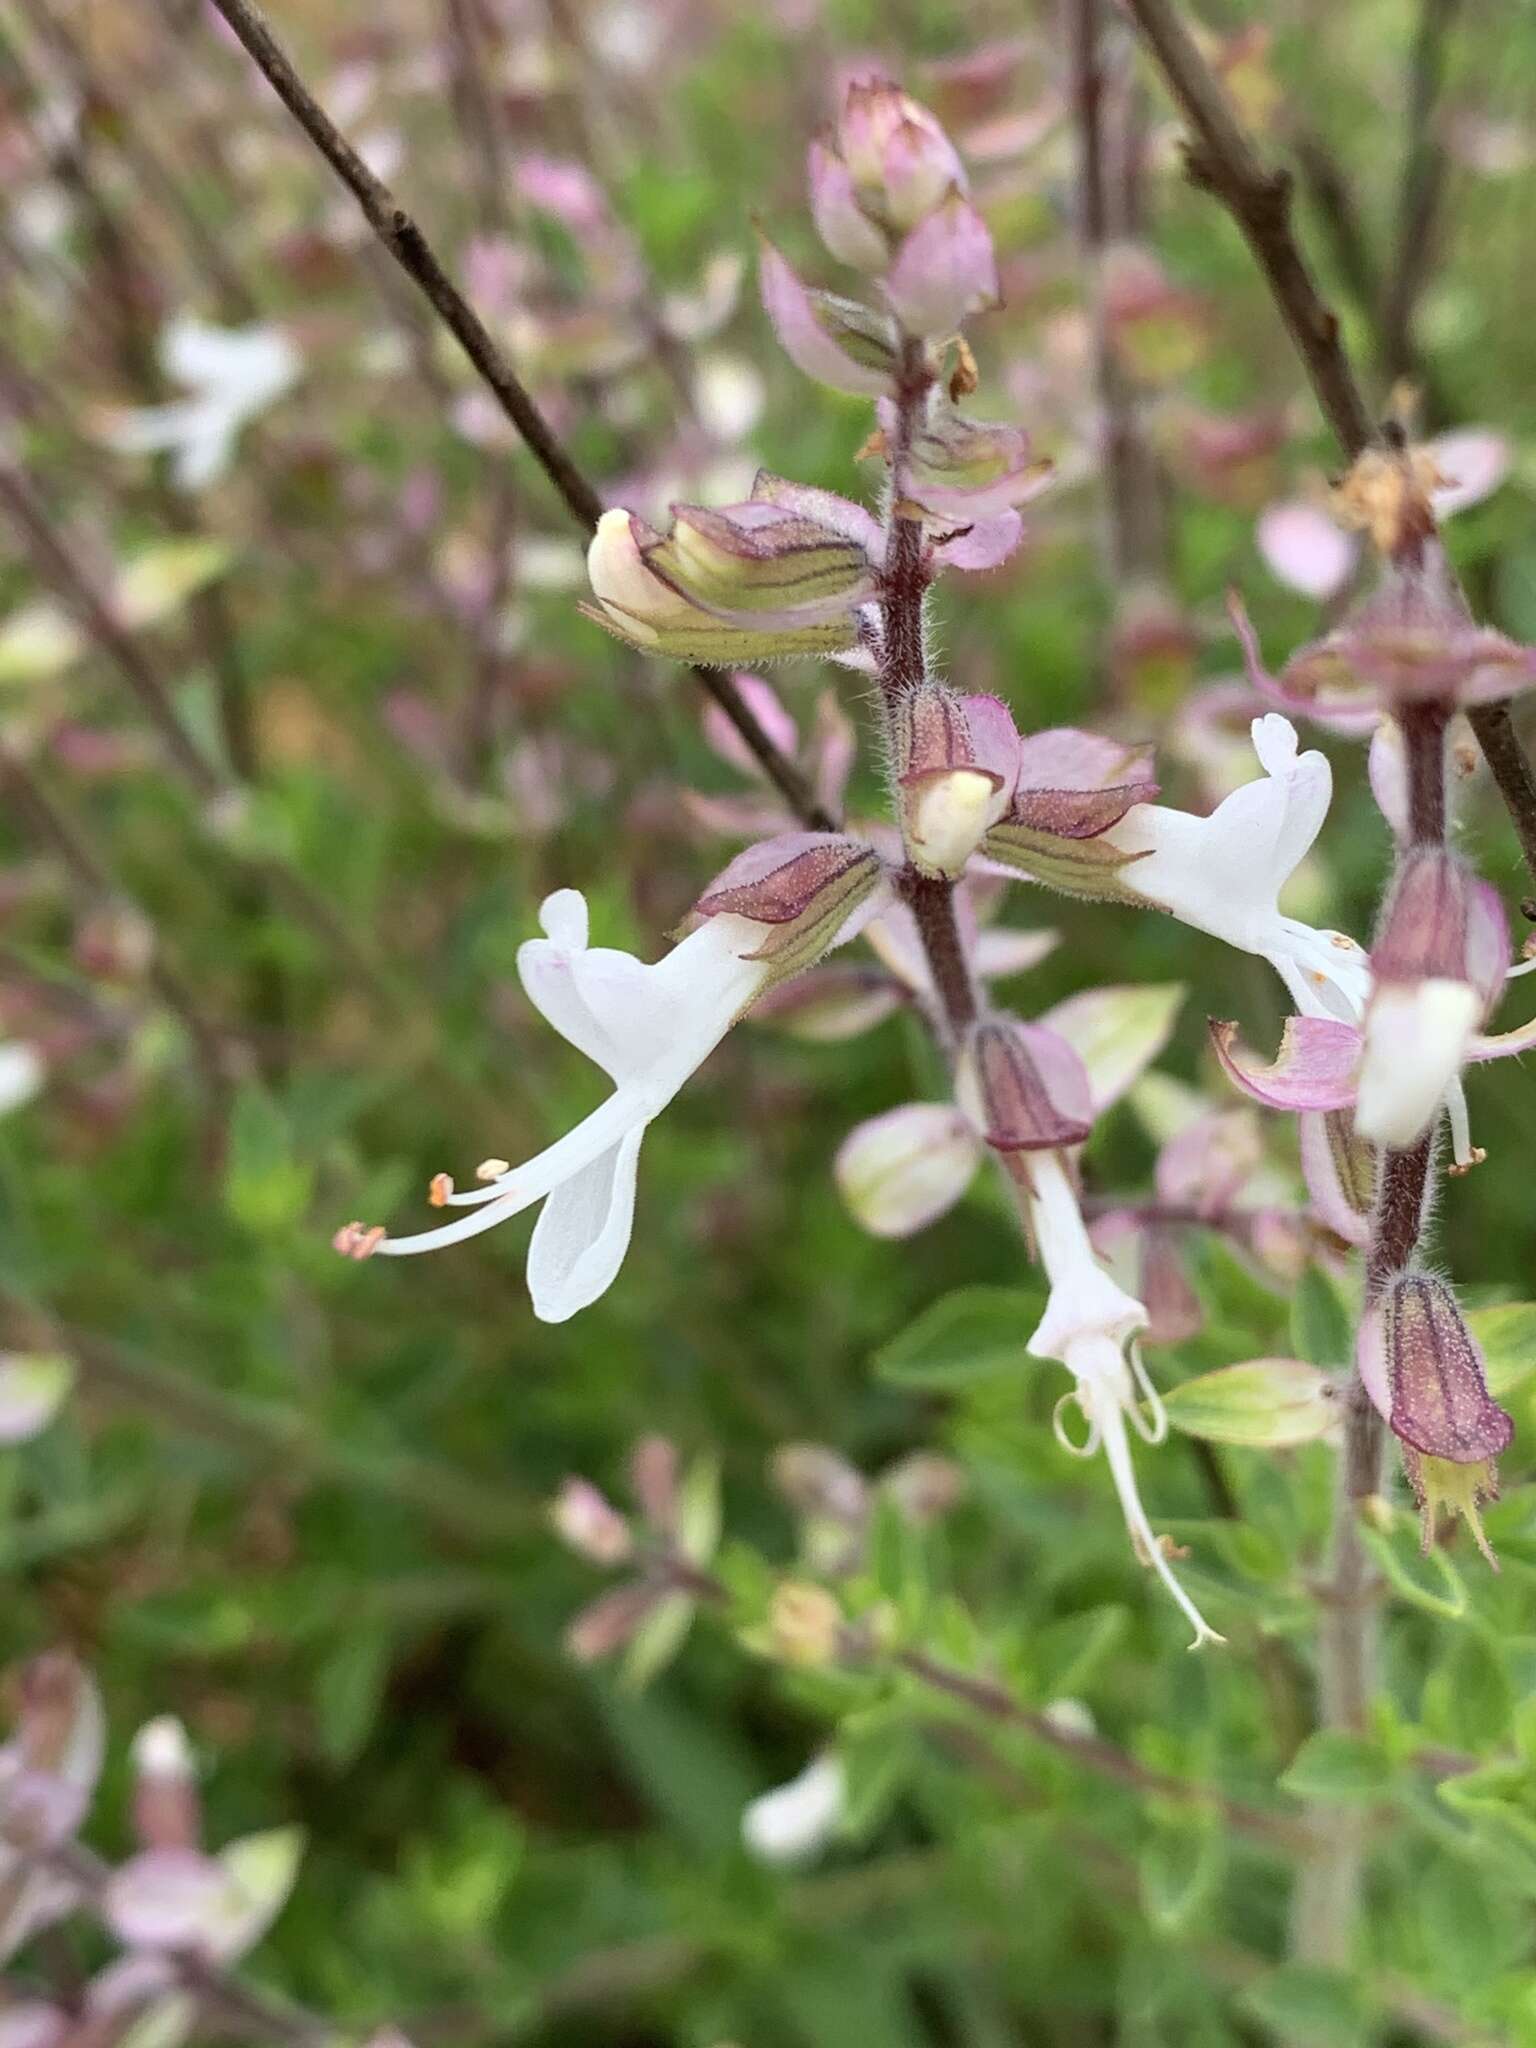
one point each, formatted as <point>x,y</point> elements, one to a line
<point>969,1335</point>
<point>38,642</point>
<point>1181,1869</point>
<point>1310,2007</point>
<point>1267,1402</point>
<point>657,1640</point>
<point>698,1510</point>
<point>1507,1335</point>
<point>1469,1697</point>
<point>266,1187</point>
<point>1322,1325</point>
<point>1431,1582</point>
<point>1337,1767</point>
<point>349,1687</point>
<point>878,1751</point>
<point>160,579</point>
<point>1067,1654</point>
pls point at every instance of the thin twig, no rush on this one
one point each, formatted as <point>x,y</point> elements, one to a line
<point>1423,182</point>
<point>400,235</point>
<point>156,177</point>
<point>1222,160</point>
<point>1096,1753</point>
<point>1131,490</point>
<point>53,830</point>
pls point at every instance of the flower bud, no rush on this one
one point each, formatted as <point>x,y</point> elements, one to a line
<point>172,1900</point>
<point>1423,1369</point>
<point>33,1388</point>
<point>166,1811</point>
<point>899,161</point>
<point>924,1487</point>
<point>1416,1037</point>
<point>761,563</point>
<point>654,1480</point>
<point>955,766</point>
<point>805,1625</point>
<point>967,469</point>
<point>944,271</point>
<point>658,610</point>
<point>1410,640</point>
<point>899,1172</point>
<point>947,818</point>
<point>1442,923</point>
<point>816,1481</point>
<point>611,1621</point>
<point>848,232</point>
<point>587,1523</point>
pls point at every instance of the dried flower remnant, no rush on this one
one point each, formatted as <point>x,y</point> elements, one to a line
<point>1411,638</point>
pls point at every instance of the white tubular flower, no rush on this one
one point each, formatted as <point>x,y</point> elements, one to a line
<point>793,1822</point>
<point>1224,874</point>
<point>648,1028</point>
<point>1416,1039</point>
<point>232,374</point>
<point>1090,1326</point>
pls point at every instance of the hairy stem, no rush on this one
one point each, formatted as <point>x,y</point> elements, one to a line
<point>1327,1904</point>
<point>903,665</point>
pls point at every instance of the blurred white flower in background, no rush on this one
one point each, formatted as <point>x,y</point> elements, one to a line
<point>233,374</point>
<point>792,1822</point>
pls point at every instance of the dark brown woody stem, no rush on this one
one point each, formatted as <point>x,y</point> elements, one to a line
<point>405,242</point>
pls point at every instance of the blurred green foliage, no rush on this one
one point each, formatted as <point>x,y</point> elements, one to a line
<point>303,1504</point>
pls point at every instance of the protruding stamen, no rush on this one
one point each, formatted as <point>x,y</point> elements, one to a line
<point>358,1240</point>
<point>440,1192</point>
<point>1465,1155</point>
<point>492,1169</point>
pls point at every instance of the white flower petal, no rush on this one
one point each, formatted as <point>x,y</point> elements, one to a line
<point>1304,549</point>
<point>583,1232</point>
<point>563,917</point>
<point>22,1074</point>
<point>789,1824</point>
<point>1474,460</point>
<point>1223,874</point>
<point>1416,1038</point>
